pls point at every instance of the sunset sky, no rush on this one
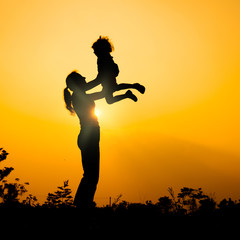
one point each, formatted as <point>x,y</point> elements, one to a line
<point>183,132</point>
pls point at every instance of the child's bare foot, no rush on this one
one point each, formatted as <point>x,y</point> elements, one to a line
<point>139,87</point>
<point>131,96</point>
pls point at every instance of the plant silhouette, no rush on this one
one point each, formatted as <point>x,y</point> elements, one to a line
<point>190,198</point>
<point>7,170</point>
<point>61,198</point>
<point>10,193</point>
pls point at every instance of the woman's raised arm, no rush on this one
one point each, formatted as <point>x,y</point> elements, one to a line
<point>96,95</point>
<point>92,84</point>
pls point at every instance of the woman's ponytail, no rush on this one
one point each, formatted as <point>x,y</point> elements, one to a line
<point>68,100</point>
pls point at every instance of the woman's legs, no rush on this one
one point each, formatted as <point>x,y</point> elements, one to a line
<point>87,187</point>
<point>90,161</point>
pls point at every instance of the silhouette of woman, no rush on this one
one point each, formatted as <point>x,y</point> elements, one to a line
<point>88,140</point>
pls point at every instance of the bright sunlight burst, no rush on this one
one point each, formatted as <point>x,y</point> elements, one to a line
<point>97,112</point>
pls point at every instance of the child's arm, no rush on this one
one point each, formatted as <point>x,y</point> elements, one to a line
<point>93,83</point>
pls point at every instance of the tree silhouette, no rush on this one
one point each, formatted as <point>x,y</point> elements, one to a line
<point>31,201</point>
<point>10,192</point>
<point>165,205</point>
<point>207,206</point>
<point>7,170</point>
<point>190,198</point>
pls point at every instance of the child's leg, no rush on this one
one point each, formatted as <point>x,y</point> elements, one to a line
<point>112,99</point>
<point>136,86</point>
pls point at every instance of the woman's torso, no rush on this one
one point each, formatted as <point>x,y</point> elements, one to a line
<point>85,110</point>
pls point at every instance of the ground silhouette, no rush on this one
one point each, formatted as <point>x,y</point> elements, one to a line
<point>189,213</point>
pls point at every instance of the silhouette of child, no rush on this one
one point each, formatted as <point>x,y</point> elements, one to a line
<point>108,71</point>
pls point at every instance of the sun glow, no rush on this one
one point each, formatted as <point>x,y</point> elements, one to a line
<point>97,112</point>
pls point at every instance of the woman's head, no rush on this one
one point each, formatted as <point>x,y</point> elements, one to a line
<point>75,82</point>
<point>102,45</point>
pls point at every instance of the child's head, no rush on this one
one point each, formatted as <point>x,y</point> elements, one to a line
<point>102,46</point>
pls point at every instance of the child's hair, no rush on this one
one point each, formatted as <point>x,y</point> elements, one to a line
<point>103,44</point>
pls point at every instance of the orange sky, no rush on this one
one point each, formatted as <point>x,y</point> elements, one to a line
<point>183,132</point>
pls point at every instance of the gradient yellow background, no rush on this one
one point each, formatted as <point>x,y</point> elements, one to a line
<point>183,132</point>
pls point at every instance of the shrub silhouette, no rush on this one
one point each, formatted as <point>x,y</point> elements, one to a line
<point>61,198</point>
